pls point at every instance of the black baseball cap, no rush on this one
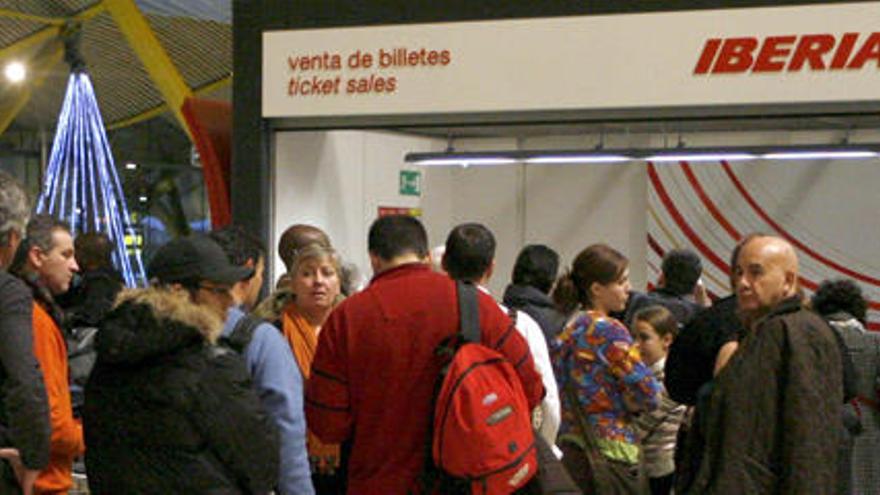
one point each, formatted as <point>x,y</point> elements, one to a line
<point>195,258</point>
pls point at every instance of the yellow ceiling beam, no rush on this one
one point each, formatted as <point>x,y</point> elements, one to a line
<point>157,111</point>
<point>136,29</point>
<point>41,36</point>
<point>89,12</point>
<point>39,70</point>
<point>14,14</point>
<point>55,21</point>
<point>30,41</point>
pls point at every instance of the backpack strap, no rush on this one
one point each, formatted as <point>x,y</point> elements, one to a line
<point>242,333</point>
<point>511,313</point>
<point>468,311</point>
<point>432,480</point>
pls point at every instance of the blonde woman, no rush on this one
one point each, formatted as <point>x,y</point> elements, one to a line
<point>315,284</point>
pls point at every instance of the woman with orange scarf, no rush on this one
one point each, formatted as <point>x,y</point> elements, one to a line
<point>314,281</point>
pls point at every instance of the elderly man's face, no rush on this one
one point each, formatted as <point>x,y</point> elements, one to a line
<point>765,274</point>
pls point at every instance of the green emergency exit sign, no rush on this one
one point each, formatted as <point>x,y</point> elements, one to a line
<point>410,183</point>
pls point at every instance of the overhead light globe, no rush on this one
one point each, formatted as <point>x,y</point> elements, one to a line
<point>15,72</point>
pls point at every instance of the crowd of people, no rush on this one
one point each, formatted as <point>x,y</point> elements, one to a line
<point>194,385</point>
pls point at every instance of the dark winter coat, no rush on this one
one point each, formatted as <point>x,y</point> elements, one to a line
<point>773,421</point>
<point>92,297</point>
<point>538,305</point>
<point>167,411</point>
<point>24,413</point>
<point>691,361</point>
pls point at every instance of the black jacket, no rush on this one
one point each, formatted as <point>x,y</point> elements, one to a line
<point>168,412</point>
<point>24,413</point>
<point>691,360</point>
<point>537,305</point>
<point>92,297</point>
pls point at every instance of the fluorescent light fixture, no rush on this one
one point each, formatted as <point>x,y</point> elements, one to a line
<point>131,166</point>
<point>561,159</point>
<point>466,162</point>
<point>142,199</point>
<point>656,155</point>
<point>709,157</point>
<point>819,155</point>
<point>15,72</point>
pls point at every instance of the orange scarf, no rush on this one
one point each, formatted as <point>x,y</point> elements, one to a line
<point>303,341</point>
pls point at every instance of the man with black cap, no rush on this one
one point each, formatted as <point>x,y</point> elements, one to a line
<point>166,410</point>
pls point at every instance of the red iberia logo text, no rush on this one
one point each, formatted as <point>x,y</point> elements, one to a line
<point>791,53</point>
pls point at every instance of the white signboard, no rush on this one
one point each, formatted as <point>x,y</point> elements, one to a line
<point>803,54</point>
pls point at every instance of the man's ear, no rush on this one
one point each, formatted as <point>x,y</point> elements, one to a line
<point>490,271</point>
<point>375,263</point>
<point>35,257</point>
<point>250,263</point>
<point>443,263</point>
<point>661,280</point>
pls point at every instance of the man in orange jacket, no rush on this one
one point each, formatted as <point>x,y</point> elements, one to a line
<point>48,268</point>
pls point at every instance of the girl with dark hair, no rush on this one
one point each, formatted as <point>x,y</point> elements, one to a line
<point>603,377</point>
<point>654,329</point>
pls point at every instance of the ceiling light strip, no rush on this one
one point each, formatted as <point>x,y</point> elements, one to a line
<point>665,155</point>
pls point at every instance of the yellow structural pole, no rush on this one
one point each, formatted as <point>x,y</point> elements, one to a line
<point>89,12</point>
<point>28,42</point>
<point>14,14</point>
<point>41,36</point>
<point>159,110</point>
<point>165,75</point>
<point>38,72</point>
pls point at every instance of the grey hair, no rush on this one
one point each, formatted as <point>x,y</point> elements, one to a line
<point>14,208</point>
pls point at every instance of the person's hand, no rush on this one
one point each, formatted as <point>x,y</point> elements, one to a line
<point>26,477</point>
<point>724,354</point>
<point>701,295</point>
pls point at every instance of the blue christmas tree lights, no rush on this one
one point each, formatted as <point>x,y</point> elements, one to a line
<point>81,184</point>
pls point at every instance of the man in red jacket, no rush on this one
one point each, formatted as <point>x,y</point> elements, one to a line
<point>374,372</point>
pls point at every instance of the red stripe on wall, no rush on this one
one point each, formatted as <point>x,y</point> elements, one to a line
<point>682,223</point>
<point>695,239</point>
<point>708,203</point>
<point>809,284</point>
<point>655,246</point>
<point>790,238</point>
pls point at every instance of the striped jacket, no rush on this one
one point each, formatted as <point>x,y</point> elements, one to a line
<point>658,429</point>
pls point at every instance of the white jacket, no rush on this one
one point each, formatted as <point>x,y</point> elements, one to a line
<point>531,331</point>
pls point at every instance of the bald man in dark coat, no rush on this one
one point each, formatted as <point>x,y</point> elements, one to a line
<point>774,415</point>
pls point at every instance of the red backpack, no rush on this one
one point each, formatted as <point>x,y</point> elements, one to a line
<point>482,431</point>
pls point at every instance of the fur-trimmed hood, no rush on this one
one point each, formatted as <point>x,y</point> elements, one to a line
<point>271,308</point>
<point>147,323</point>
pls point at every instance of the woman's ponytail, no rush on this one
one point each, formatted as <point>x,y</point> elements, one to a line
<point>597,263</point>
<point>566,294</point>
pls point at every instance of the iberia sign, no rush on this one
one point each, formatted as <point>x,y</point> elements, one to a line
<point>759,56</point>
<point>814,52</point>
